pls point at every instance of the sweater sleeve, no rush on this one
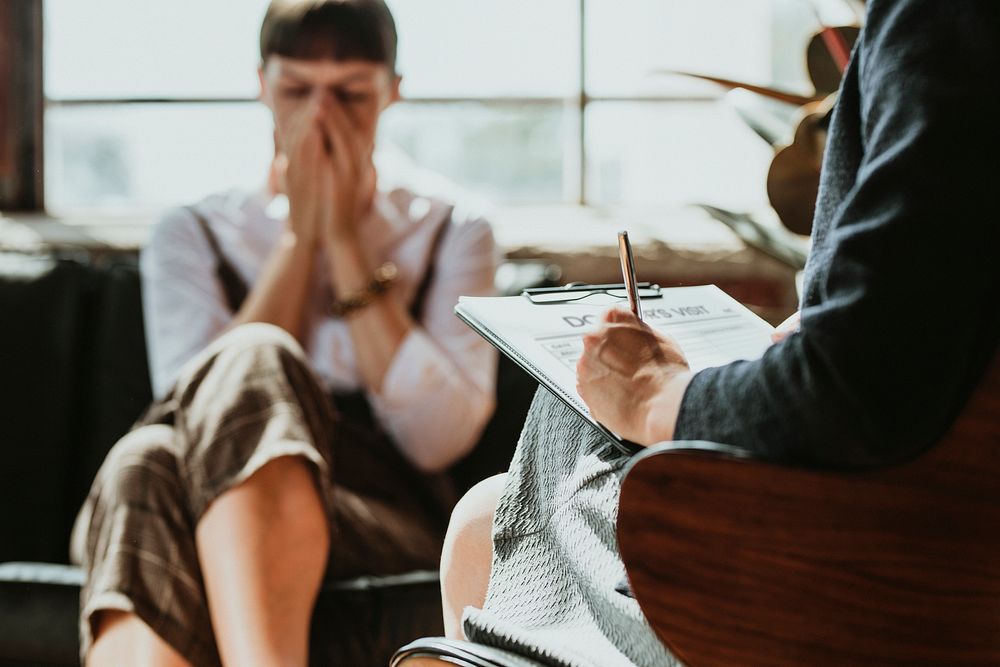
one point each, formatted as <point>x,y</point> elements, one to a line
<point>904,317</point>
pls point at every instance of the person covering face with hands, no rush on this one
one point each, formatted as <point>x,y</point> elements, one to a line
<point>326,117</point>
<point>311,381</point>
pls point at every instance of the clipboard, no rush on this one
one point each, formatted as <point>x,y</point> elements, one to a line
<point>541,296</point>
<point>545,339</point>
<point>625,447</point>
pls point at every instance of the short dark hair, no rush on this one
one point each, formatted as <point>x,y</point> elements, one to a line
<point>332,29</point>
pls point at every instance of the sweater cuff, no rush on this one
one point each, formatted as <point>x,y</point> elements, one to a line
<point>691,416</point>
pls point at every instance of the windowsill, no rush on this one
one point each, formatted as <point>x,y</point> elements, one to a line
<point>40,232</point>
<point>677,245</point>
<point>517,229</point>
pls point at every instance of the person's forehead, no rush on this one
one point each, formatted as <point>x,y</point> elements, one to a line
<point>325,70</point>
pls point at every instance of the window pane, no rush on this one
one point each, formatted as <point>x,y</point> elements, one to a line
<point>507,154</point>
<point>463,48</point>
<point>130,48</point>
<point>147,157</point>
<point>760,41</point>
<point>674,153</point>
<point>143,157</point>
<point>192,48</point>
<point>795,23</point>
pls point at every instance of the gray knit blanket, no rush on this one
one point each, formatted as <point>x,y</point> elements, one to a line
<point>552,594</point>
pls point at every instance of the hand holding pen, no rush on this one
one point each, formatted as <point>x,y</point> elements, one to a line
<point>627,366</point>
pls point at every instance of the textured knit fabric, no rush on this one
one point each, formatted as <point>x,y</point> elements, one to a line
<point>556,564</point>
<point>248,399</point>
<point>899,316</point>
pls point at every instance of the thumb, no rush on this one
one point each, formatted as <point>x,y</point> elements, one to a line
<point>618,315</point>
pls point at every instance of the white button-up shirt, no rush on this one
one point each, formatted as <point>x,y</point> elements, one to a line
<point>438,391</point>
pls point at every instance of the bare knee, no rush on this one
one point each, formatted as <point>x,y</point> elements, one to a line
<point>279,508</point>
<point>471,524</point>
<point>468,552</point>
<point>283,491</point>
<point>289,487</point>
<point>121,638</point>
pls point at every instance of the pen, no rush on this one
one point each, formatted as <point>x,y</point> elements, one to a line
<point>628,273</point>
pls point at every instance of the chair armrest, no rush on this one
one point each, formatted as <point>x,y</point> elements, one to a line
<point>40,603</point>
<point>737,561</point>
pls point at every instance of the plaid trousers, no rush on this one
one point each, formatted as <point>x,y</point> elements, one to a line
<point>246,400</point>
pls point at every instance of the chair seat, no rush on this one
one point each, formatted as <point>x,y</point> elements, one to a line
<point>357,622</point>
<point>39,605</point>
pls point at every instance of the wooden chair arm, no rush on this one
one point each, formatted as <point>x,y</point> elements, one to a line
<point>742,562</point>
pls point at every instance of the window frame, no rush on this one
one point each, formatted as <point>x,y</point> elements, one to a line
<point>580,100</point>
<point>22,168</point>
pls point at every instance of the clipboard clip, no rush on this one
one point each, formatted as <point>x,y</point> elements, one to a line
<point>546,296</point>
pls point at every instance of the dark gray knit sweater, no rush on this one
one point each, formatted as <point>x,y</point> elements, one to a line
<point>901,308</point>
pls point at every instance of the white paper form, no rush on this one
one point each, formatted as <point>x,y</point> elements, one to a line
<point>711,328</point>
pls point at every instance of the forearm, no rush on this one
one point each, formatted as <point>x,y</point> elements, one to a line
<point>820,401</point>
<point>791,405</point>
<point>378,329</point>
<point>280,293</point>
<point>433,408</point>
<point>663,408</point>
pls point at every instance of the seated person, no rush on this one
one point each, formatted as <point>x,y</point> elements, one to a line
<point>312,380</point>
<point>898,324</point>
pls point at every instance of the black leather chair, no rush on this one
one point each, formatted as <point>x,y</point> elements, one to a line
<point>74,379</point>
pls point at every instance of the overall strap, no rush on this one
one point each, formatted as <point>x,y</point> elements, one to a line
<point>233,285</point>
<point>355,403</point>
<point>420,297</point>
<point>236,290</point>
